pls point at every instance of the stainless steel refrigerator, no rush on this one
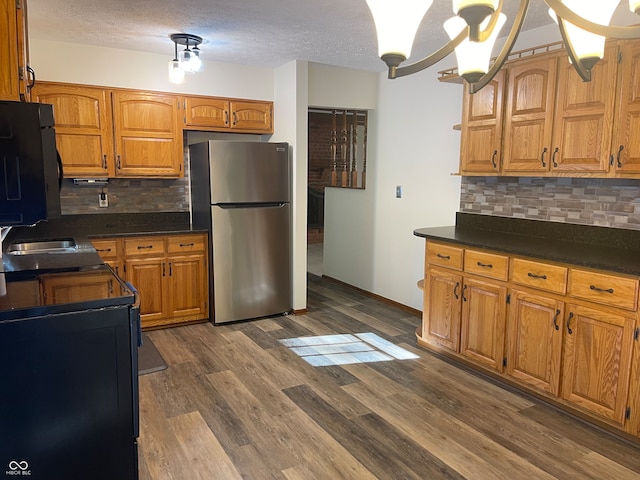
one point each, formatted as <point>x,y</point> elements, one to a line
<point>240,192</point>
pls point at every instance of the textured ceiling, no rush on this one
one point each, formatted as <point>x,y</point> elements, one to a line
<point>264,33</point>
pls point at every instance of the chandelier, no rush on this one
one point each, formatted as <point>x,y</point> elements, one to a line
<point>583,24</point>
<point>188,60</point>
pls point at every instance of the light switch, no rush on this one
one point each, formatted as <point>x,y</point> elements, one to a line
<point>398,191</point>
<point>103,199</point>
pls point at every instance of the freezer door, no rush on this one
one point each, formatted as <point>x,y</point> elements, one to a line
<point>249,172</point>
<point>251,261</point>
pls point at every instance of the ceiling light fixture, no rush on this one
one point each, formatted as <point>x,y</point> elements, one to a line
<point>187,60</point>
<point>583,24</point>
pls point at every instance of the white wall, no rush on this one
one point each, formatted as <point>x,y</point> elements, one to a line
<point>331,86</point>
<point>411,144</point>
<point>290,99</point>
<point>368,239</point>
<point>74,63</point>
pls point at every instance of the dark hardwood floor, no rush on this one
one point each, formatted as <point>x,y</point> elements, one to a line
<point>236,402</point>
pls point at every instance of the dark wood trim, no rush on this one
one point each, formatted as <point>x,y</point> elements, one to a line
<point>301,311</point>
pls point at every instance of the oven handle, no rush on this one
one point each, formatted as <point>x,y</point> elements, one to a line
<point>136,342</point>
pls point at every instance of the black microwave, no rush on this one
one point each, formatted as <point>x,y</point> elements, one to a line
<point>30,167</point>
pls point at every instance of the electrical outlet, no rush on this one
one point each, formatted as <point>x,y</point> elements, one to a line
<point>103,199</point>
<point>398,191</point>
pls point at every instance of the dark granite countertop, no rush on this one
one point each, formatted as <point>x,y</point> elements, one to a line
<point>612,249</point>
<point>82,228</point>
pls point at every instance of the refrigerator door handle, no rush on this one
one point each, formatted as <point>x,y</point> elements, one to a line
<point>229,206</point>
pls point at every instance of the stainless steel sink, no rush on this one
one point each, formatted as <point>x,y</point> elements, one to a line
<point>65,245</point>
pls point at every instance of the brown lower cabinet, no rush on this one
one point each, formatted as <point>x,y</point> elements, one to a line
<point>170,273</point>
<point>564,333</point>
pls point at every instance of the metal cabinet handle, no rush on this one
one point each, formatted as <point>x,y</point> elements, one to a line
<point>555,320</point>
<point>226,117</point>
<point>170,269</point>
<point>598,289</point>
<point>444,257</point>
<point>533,275</point>
<point>163,269</point>
<point>544,150</point>
<point>569,331</point>
<point>464,289</point>
<point>493,159</point>
<point>104,161</point>
<point>103,249</point>
<point>455,294</point>
<point>553,157</point>
<point>118,162</point>
<point>619,152</point>
<point>32,74</point>
<point>235,118</point>
<point>187,244</point>
<point>140,247</point>
<point>486,265</point>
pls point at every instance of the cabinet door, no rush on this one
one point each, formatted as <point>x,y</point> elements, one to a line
<point>529,115</point>
<point>24,76</point>
<point>626,142</point>
<point>597,360</point>
<point>441,318</point>
<point>69,288</point>
<point>481,139</point>
<point>9,64</point>
<point>147,276</point>
<point>206,112</point>
<point>251,116</point>
<point>583,122</point>
<point>148,134</point>
<point>187,287</point>
<point>483,322</point>
<point>83,127</point>
<point>534,340</point>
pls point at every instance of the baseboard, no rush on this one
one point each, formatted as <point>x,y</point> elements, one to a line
<point>388,301</point>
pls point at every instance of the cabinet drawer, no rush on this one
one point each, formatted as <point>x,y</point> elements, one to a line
<point>107,249</point>
<point>543,276</point>
<point>185,243</point>
<point>486,264</point>
<point>444,255</point>
<point>143,246</point>
<point>602,288</point>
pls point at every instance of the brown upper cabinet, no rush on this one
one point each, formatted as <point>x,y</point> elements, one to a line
<point>222,114</point>
<point>538,118</point>
<point>114,133</point>
<point>14,51</point>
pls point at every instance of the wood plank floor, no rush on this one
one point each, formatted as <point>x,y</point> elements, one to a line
<point>237,403</point>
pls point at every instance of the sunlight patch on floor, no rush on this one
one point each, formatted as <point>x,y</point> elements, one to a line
<point>325,350</point>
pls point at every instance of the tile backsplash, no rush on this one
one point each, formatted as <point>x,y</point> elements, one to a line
<point>602,202</point>
<point>127,195</point>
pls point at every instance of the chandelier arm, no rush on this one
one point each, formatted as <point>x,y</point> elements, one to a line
<point>610,31</point>
<point>486,33</point>
<point>579,66</point>
<point>506,49</point>
<point>432,59</point>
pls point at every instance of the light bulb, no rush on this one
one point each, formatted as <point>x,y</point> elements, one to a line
<point>176,74</point>
<point>588,45</point>
<point>473,57</point>
<point>196,61</point>
<point>397,23</point>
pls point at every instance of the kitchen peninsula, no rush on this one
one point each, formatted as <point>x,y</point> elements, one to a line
<point>549,308</point>
<point>159,253</point>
